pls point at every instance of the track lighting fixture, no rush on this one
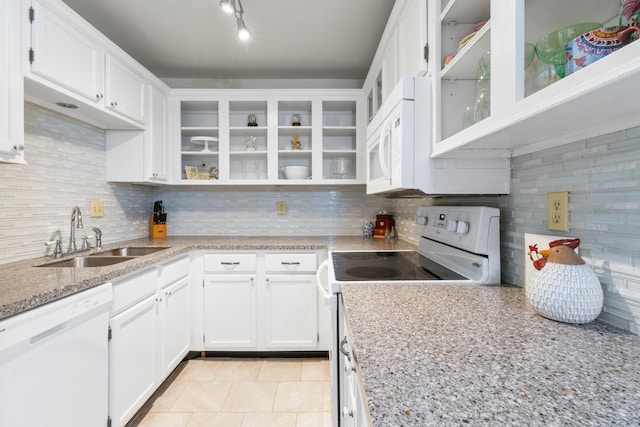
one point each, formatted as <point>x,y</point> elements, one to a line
<point>235,7</point>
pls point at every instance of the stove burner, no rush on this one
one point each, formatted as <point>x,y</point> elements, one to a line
<point>388,265</point>
<point>372,272</point>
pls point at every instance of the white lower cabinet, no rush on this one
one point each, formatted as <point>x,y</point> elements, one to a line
<point>291,309</point>
<point>230,312</point>
<point>174,325</point>
<point>261,302</point>
<point>149,334</point>
<point>133,360</point>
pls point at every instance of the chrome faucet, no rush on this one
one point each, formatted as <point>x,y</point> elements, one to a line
<point>98,237</point>
<point>76,221</point>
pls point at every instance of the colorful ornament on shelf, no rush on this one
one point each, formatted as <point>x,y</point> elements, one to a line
<point>565,288</point>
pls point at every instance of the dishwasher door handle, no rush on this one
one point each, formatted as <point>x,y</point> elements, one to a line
<point>49,332</point>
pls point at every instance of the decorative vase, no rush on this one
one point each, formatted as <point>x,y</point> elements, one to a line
<point>566,293</point>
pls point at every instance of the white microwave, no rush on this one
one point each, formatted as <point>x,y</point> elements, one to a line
<point>399,142</point>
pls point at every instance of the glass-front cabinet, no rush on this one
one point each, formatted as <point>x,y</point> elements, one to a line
<point>285,137</point>
<point>339,140</point>
<point>500,83</point>
<point>199,140</point>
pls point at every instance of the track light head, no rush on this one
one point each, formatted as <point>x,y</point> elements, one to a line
<point>243,32</point>
<point>228,6</point>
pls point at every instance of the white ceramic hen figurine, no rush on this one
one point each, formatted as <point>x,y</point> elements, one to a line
<point>566,289</point>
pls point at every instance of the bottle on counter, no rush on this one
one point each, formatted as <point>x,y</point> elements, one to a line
<point>367,229</point>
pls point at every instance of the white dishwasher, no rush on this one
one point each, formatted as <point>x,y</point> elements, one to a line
<point>54,363</point>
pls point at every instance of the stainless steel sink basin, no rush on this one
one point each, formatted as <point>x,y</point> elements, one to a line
<point>88,261</point>
<point>130,251</point>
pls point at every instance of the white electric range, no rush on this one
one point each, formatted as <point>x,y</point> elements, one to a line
<point>458,245</point>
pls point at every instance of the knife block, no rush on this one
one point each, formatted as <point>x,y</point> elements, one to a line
<point>157,230</point>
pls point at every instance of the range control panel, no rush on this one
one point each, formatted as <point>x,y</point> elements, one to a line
<point>465,227</point>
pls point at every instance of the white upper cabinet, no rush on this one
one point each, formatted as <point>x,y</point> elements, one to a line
<point>402,52</point>
<point>412,39</point>
<point>64,55</point>
<point>527,107</point>
<point>238,137</point>
<point>141,156</point>
<point>11,91</point>
<point>75,70</point>
<point>124,90</point>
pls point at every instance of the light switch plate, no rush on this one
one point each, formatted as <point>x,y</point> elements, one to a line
<point>97,209</point>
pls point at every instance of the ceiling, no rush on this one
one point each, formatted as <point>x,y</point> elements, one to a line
<point>195,39</point>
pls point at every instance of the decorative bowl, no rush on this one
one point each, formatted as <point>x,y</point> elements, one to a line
<point>551,48</point>
<point>296,172</point>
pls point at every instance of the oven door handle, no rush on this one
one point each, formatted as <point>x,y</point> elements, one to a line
<point>345,352</point>
<point>326,293</point>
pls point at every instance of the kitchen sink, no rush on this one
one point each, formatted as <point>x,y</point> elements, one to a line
<point>88,261</point>
<point>129,251</point>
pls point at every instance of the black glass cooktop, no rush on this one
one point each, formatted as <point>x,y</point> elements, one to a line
<point>388,266</point>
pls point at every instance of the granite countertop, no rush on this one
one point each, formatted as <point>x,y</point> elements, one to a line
<point>480,355</point>
<point>24,285</point>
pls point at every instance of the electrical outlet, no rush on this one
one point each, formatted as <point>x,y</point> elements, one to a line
<point>558,211</point>
<point>97,209</point>
<point>282,208</point>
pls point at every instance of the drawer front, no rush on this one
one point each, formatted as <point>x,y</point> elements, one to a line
<point>230,263</point>
<point>291,263</point>
<point>133,289</point>
<point>175,270</point>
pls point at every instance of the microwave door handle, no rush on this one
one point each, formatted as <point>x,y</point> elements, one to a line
<point>385,136</point>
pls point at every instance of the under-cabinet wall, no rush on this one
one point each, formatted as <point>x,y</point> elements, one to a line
<point>67,167</point>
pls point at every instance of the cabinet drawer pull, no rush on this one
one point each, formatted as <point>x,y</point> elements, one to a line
<point>290,263</point>
<point>229,263</point>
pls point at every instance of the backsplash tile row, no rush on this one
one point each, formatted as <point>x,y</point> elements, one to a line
<point>311,211</point>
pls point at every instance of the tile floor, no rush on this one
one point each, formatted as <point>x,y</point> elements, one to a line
<point>241,393</point>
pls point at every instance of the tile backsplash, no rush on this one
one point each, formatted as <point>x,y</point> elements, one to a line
<point>67,167</point>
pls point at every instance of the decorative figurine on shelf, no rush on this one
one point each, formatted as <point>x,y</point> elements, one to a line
<point>252,120</point>
<point>295,143</point>
<point>251,143</point>
<point>296,120</point>
<point>213,172</point>
<point>565,288</point>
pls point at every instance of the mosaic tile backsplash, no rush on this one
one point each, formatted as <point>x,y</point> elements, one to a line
<point>67,167</point>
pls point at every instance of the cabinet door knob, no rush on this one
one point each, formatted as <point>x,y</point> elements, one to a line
<point>347,412</point>
<point>19,148</point>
